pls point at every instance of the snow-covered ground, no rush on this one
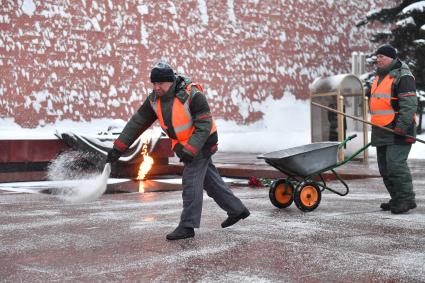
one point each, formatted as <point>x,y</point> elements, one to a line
<point>286,123</point>
<point>121,237</point>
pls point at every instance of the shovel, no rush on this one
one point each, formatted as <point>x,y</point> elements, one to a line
<point>363,121</point>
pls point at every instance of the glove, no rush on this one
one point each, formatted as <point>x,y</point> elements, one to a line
<point>183,155</point>
<point>399,131</point>
<point>113,155</point>
<point>409,140</point>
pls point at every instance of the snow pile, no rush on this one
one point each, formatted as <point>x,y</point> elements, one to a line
<point>71,165</point>
<point>28,7</point>
<point>85,185</point>
<point>420,42</point>
<point>86,190</point>
<point>285,123</point>
<point>417,6</point>
<point>406,22</point>
<point>9,130</point>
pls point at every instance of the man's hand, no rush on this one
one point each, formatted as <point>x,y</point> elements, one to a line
<point>183,155</point>
<point>409,140</point>
<point>113,155</point>
<point>401,132</point>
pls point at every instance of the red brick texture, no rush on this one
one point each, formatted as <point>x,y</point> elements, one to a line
<point>88,59</point>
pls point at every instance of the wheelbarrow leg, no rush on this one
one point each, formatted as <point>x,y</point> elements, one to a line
<point>338,177</point>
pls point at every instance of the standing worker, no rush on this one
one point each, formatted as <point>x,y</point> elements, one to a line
<point>183,113</point>
<point>393,104</point>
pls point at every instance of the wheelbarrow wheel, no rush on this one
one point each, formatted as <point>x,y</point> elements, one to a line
<point>307,196</point>
<point>281,193</point>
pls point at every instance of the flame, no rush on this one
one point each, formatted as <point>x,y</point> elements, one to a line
<point>145,167</point>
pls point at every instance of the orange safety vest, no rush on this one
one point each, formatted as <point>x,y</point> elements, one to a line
<point>381,110</point>
<point>181,119</point>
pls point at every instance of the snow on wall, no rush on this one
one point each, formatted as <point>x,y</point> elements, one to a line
<point>78,60</point>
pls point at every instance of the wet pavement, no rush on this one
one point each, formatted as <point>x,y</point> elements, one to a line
<point>121,237</point>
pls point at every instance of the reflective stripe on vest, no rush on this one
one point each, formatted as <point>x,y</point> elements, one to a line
<point>381,110</point>
<point>181,119</point>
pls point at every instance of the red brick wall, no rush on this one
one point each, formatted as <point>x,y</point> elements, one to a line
<point>79,60</point>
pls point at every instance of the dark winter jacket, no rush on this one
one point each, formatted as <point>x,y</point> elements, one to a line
<point>146,116</point>
<point>404,83</point>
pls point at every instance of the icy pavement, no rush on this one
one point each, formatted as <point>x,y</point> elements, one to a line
<point>121,237</point>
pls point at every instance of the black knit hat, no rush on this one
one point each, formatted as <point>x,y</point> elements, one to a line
<point>387,50</point>
<point>162,72</point>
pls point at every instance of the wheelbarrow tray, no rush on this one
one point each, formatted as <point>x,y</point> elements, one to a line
<point>303,160</point>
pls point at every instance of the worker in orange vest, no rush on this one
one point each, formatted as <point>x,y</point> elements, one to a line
<point>393,104</point>
<point>182,110</point>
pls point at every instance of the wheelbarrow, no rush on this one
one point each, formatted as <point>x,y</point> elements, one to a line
<point>304,167</point>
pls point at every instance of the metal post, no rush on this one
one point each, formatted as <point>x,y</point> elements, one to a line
<point>358,62</point>
<point>340,107</point>
<point>362,63</point>
<point>365,129</point>
<point>354,66</point>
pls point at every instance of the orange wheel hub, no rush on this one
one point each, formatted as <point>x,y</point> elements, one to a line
<point>283,193</point>
<point>309,196</point>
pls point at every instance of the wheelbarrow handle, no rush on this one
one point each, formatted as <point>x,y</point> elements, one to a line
<point>346,140</point>
<point>351,137</point>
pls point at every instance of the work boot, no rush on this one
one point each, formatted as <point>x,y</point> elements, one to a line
<point>233,219</point>
<point>402,207</point>
<point>181,233</point>
<point>385,206</point>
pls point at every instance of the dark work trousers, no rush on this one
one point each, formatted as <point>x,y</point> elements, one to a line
<point>198,175</point>
<point>392,163</point>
